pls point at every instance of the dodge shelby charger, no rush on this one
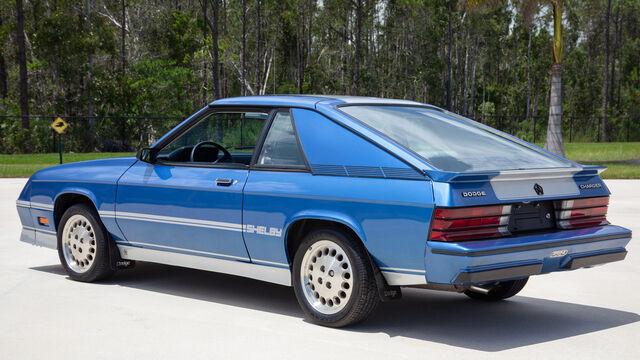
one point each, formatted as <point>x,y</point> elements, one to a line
<point>346,199</point>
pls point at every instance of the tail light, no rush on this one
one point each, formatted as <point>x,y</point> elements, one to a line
<point>470,223</point>
<point>578,213</point>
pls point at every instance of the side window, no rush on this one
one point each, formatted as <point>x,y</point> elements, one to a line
<point>280,147</point>
<point>216,135</point>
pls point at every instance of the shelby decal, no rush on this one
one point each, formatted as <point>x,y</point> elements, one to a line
<point>473,193</point>
<point>590,186</point>
<point>262,230</point>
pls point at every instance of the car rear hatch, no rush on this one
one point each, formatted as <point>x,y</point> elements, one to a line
<point>534,221</point>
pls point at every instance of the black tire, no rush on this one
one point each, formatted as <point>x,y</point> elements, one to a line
<point>363,298</point>
<point>100,267</point>
<point>500,291</point>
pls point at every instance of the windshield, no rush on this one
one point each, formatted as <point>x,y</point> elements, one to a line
<point>450,143</point>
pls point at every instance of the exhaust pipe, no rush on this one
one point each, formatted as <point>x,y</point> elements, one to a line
<point>479,289</point>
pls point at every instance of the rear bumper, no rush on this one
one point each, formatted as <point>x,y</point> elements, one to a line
<point>477,262</point>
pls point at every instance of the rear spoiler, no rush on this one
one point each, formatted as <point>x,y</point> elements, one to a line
<point>507,175</point>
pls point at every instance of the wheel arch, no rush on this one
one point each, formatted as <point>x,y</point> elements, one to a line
<point>68,197</point>
<point>302,223</point>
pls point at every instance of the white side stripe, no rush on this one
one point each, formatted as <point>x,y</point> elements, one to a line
<point>108,214</point>
<point>415,271</point>
<point>41,206</point>
<point>267,273</point>
<point>400,279</point>
<point>219,225</point>
<point>189,250</point>
<point>180,221</point>
<point>51,232</point>
<point>269,262</point>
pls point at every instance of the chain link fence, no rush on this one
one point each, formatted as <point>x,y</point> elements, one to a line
<point>129,133</point>
<point>84,134</point>
<point>574,129</point>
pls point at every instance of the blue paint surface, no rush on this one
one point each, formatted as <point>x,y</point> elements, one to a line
<point>357,177</point>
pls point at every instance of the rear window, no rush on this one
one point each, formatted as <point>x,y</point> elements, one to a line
<point>449,142</point>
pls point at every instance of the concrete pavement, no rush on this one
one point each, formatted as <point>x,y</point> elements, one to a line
<point>157,311</point>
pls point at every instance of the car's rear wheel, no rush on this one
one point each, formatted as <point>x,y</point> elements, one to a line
<point>333,279</point>
<point>499,291</point>
<point>83,244</point>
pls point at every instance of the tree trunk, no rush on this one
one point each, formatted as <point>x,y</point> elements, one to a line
<point>484,92</point>
<point>356,66</point>
<point>449,67</point>
<point>89,85</point>
<point>258,49</point>
<point>616,42</point>
<point>224,85</point>
<point>122,52</point>
<point>205,80</point>
<point>299,69</point>
<point>243,70</point>
<point>528,108</point>
<point>22,60</point>
<point>3,74</point>
<point>443,75</point>
<point>465,76</point>
<point>473,79</point>
<point>214,41</point>
<point>605,83</point>
<point>310,34</point>
<point>534,115</point>
<point>554,142</point>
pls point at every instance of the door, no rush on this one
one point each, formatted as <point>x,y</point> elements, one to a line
<point>189,201</point>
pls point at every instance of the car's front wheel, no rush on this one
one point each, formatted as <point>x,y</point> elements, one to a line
<point>333,279</point>
<point>83,244</point>
<point>499,291</point>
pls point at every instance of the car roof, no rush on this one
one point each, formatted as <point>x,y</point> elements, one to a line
<point>308,100</point>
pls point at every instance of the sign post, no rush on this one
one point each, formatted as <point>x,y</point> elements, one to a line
<point>59,126</point>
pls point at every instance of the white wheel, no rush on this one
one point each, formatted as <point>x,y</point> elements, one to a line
<point>83,244</point>
<point>78,243</point>
<point>333,279</point>
<point>327,277</point>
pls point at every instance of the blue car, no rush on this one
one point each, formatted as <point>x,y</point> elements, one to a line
<point>346,199</point>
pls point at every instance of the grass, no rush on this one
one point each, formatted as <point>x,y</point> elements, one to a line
<point>622,159</point>
<point>24,165</point>
<point>607,152</point>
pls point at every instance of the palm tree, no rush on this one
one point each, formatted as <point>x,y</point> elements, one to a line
<point>528,10</point>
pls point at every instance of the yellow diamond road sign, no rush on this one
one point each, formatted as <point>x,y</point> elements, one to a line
<point>59,125</point>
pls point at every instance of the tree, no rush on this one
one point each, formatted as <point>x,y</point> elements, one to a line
<point>449,68</point>
<point>22,60</point>
<point>553,141</point>
<point>3,72</point>
<point>356,66</point>
<point>215,5</point>
<point>491,64</point>
<point>258,45</point>
<point>605,82</point>
<point>243,56</point>
<point>123,33</point>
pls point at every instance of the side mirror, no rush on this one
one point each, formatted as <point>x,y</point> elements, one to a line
<point>147,155</point>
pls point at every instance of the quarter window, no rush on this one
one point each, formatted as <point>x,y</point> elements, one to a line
<point>281,145</point>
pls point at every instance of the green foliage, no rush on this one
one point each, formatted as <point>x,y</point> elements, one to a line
<point>76,67</point>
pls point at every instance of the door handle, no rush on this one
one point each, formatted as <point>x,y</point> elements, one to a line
<point>224,182</point>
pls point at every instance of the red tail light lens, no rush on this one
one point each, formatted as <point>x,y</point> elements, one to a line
<point>470,223</point>
<point>578,213</point>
